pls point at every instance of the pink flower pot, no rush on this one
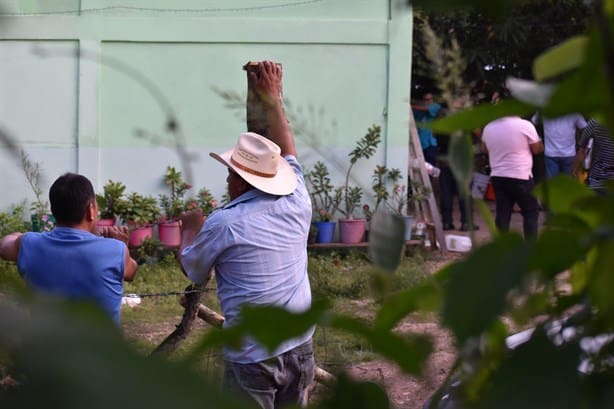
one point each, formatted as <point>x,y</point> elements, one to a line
<point>105,222</point>
<point>170,233</point>
<point>352,230</point>
<point>139,234</point>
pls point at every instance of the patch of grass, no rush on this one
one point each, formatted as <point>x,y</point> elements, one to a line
<point>344,278</point>
<point>10,279</point>
<point>350,275</point>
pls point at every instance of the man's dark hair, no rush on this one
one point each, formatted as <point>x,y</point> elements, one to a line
<point>70,195</point>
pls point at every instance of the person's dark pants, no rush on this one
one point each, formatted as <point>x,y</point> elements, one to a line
<point>431,154</point>
<point>447,190</point>
<point>280,381</point>
<point>509,191</point>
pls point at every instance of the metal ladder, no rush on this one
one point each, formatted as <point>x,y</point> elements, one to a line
<point>417,171</point>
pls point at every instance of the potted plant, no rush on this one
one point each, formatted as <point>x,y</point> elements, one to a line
<point>110,203</point>
<point>395,197</point>
<point>380,181</point>
<point>205,201</point>
<point>169,228</point>
<point>40,217</point>
<point>324,202</point>
<point>352,230</point>
<point>139,213</point>
<point>407,203</point>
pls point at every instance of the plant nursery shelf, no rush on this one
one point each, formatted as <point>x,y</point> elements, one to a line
<point>337,245</point>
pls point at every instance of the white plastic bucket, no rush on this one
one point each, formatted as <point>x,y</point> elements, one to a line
<point>458,243</point>
<point>479,185</point>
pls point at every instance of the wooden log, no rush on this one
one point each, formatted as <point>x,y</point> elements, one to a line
<point>182,330</point>
<point>217,320</point>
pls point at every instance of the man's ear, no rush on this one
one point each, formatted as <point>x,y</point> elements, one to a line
<point>92,211</point>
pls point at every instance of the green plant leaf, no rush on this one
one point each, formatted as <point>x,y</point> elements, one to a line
<point>601,279</point>
<point>556,251</point>
<point>537,375</point>
<point>386,239</point>
<point>460,159</point>
<point>356,395</point>
<point>476,291</point>
<point>487,217</point>
<point>425,297</point>
<point>530,92</point>
<point>562,193</point>
<point>590,81</point>
<point>269,325</point>
<point>71,357</point>
<point>408,351</point>
<point>560,59</point>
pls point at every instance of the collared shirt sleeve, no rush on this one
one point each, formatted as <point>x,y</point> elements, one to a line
<point>199,258</point>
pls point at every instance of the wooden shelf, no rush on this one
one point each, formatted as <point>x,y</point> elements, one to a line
<point>362,244</point>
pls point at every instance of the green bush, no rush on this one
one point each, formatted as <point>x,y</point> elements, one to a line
<point>351,275</point>
<point>13,220</point>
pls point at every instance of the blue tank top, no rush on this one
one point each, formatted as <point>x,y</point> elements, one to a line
<point>75,264</point>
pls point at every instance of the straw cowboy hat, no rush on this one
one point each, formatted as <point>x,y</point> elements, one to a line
<point>258,161</point>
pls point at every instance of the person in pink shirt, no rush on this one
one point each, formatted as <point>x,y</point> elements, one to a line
<point>511,143</point>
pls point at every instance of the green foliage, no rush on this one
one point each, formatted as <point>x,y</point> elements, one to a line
<point>364,149</point>
<point>111,202</point>
<point>140,210</point>
<point>523,280</point>
<point>205,201</point>
<point>150,251</point>
<point>174,204</point>
<point>13,220</point>
<point>324,203</point>
<point>78,365</point>
<point>496,39</point>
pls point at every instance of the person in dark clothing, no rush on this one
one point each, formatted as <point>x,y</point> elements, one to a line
<point>448,190</point>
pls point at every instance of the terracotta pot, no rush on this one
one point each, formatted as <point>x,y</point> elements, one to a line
<point>352,230</point>
<point>170,233</point>
<point>139,234</point>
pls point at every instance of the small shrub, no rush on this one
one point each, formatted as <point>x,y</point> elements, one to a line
<point>13,220</point>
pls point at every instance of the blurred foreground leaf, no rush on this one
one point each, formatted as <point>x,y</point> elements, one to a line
<point>409,351</point>
<point>476,290</point>
<point>386,239</point>
<point>71,360</point>
<point>537,375</point>
<point>356,395</point>
<point>269,325</point>
<point>560,59</point>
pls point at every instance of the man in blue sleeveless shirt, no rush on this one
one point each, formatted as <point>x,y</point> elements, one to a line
<point>258,246</point>
<point>72,261</point>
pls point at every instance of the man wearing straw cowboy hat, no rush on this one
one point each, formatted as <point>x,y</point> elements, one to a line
<point>258,246</point>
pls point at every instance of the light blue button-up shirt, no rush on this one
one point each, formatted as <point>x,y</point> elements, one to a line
<point>258,246</point>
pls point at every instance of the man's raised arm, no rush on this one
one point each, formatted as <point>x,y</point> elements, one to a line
<point>266,81</point>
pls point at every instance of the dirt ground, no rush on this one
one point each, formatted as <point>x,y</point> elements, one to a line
<point>404,391</point>
<point>408,392</point>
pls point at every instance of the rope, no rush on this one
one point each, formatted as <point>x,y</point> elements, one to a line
<point>167,293</point>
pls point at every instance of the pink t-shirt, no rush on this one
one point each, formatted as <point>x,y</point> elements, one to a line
<point>507,140</point>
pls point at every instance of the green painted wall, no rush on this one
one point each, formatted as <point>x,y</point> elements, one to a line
<point>80,79</point>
